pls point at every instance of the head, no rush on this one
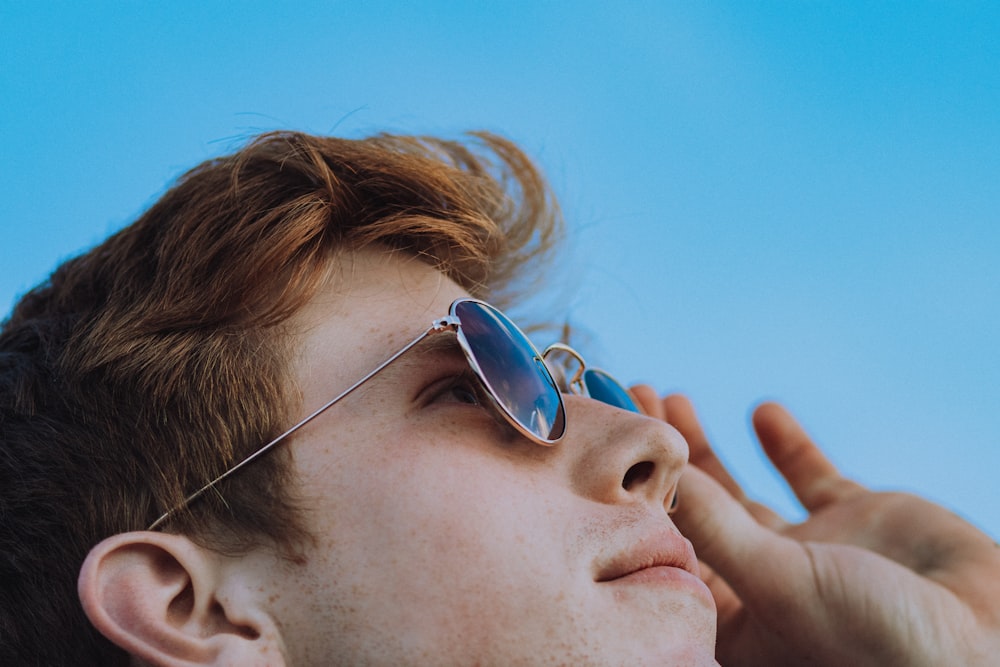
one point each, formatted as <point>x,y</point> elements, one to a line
<point>405,523</point>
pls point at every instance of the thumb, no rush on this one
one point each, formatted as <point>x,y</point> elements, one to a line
<point>764,570</point>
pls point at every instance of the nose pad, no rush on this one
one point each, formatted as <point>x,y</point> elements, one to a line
<point>621,456</point>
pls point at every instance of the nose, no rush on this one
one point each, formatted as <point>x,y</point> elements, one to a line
<point>619,457</point>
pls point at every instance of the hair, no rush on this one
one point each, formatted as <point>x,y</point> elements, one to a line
<point>150,364</point>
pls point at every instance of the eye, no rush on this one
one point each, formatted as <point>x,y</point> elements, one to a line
<point>464,388</point>
<point>460,390</point>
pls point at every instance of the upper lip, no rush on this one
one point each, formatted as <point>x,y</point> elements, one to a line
<point>661,549</point>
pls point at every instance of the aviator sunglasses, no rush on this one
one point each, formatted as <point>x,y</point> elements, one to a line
<point>518,380</point>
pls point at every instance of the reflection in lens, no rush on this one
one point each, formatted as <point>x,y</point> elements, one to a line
<point>606,389</point>
<point>511,370</point>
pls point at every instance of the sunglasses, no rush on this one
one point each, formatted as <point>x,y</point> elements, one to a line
<point>586,380</point>
<point>519,381</point>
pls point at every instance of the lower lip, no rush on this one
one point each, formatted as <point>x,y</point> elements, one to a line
<point>671,577</point>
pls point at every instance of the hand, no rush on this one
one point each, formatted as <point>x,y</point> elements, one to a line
<point>868,578</point>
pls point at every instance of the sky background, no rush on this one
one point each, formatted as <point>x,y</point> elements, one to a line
<point>766,200</point>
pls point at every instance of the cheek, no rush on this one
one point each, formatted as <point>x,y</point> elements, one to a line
<point>437,519</point>
<point>432,545</point>
<point>444,550</point>
<point>422,497</point>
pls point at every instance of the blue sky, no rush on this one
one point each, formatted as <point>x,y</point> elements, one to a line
<point>767,200</point>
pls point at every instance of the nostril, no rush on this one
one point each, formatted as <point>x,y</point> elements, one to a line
<point>637,474</point>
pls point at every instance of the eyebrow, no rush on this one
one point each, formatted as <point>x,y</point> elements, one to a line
<point>438,342</point>
<point>435,345</point>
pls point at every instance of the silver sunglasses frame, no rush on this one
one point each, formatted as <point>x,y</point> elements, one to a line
<point>449,323</point>
<point>576,383</point>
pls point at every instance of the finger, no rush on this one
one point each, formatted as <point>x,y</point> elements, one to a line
<point>649,401</point>
<point>815,481</point>
<point>681,415</point>
<point>727,604</point>
<point>756,563</point>
<point>765,515</point>
<point>653,406</point>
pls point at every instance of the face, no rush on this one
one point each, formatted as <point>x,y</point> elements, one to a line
<point>443,536</point>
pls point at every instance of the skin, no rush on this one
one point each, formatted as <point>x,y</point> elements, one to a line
<point>868,578</point>
<point>443,537</point>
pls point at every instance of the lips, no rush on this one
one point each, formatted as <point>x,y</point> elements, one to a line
<point>664,549</point>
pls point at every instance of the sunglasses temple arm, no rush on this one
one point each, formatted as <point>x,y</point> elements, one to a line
<point>439,325</point>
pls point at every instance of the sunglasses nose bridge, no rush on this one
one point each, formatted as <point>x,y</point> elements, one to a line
<point>568,384</point>
<point>590,382</point>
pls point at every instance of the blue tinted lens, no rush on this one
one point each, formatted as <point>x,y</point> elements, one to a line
<point>511,370</point>
<point>606,389</point>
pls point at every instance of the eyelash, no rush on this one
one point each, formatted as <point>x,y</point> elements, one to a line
<point>470,386</point>
<point>464,381</point>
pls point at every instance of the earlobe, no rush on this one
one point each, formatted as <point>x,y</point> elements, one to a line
<point>156,595</point>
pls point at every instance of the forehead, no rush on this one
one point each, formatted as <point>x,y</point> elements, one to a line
<point>374,302</point>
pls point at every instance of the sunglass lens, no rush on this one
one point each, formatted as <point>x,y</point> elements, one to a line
<point>606,389</point>
<point>512,370</point>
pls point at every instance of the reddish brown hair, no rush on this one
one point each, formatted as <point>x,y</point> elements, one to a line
<point>148,365</point>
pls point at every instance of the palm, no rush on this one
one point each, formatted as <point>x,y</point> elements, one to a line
<point>849,566</point>
<point>866,578</point>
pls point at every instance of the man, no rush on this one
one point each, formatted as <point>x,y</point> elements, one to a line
<point>271,422</point>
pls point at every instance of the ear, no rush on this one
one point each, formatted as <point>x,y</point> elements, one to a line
<point>168,601</point>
